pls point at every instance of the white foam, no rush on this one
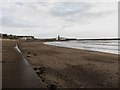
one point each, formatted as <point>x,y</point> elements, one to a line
<point>109,46</point>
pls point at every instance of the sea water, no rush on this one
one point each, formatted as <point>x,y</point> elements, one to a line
<point>109,46</point>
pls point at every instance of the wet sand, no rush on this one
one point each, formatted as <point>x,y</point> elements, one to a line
<point>60,67</point>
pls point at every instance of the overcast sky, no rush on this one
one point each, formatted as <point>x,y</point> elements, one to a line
<point>69,19</point>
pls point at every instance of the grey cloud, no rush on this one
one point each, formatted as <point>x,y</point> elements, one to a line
<point>19,3</point>
<point>26,30</point>
<point>88,16</point>
<point>69,8</point>
<point>77,11</point>
<point>9,22</point>
<point>71,12</point>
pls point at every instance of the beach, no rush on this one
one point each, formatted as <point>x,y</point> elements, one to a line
<point>72,68</point>
<point>59,44</point>
<point>61,67</point>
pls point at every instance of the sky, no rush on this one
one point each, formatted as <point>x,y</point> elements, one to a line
<point>51,18</point>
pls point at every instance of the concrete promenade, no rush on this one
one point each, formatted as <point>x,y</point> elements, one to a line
<point>16,71</point>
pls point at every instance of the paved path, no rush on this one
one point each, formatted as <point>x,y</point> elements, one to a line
<point>17,72</point>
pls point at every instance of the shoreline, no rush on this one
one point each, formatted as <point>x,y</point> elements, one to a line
<point>57,66</point>
<point>81,48</point>
<point>84,49</point>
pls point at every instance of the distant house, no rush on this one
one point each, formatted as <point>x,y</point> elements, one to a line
<point>15,37</point>
<point>4,36</point>
<point>25,37</point>
<point>60,38</point>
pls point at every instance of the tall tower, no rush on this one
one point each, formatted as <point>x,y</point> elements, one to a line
<point>58,37</point>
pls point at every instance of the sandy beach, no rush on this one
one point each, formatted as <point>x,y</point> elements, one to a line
<point>60,67</point>
<point>71,68</point>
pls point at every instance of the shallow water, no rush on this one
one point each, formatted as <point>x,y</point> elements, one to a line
<point>109,46</point>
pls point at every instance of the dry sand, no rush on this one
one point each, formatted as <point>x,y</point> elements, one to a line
<point>71,68</point>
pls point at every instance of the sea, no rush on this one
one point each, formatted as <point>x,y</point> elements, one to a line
<point>108,46</point>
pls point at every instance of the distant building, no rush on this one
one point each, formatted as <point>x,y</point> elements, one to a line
<point>25,37</point>
<point>60,38</point>
<point>15,37</point>
<point>4,36</point>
